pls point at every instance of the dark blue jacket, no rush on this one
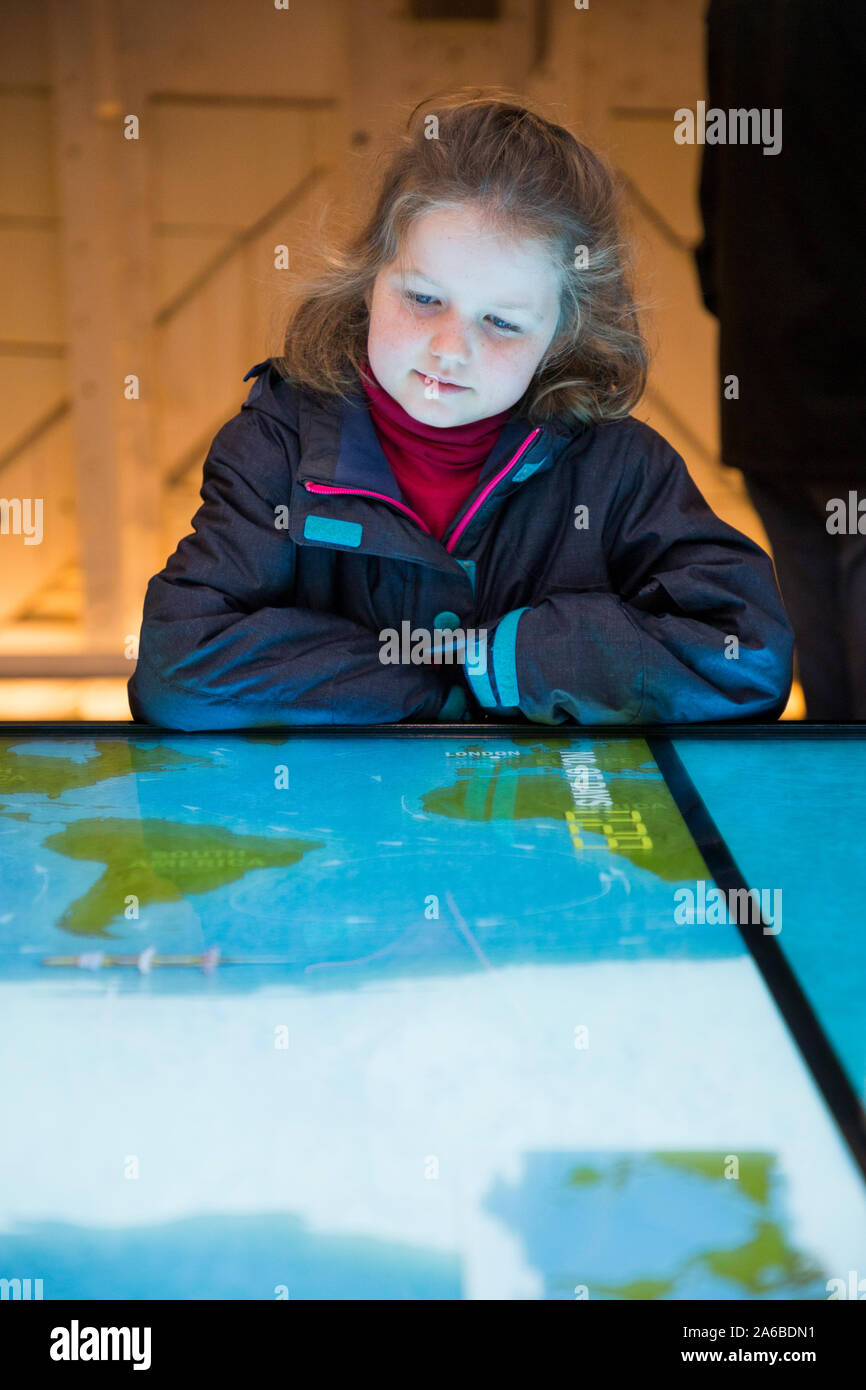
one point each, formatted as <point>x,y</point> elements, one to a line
<point>604,588</point>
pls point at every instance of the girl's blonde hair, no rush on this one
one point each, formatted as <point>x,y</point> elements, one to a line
<point>527,178</point>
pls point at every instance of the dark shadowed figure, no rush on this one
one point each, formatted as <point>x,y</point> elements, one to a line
<point>782,266</point>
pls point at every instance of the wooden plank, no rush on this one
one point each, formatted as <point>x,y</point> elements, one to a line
<point>103,184</point>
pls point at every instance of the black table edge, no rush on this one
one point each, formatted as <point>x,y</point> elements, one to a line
<point>742,729</point>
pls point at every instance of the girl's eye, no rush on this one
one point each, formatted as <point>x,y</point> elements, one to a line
<point>497,323</point>
<point>507,327</point>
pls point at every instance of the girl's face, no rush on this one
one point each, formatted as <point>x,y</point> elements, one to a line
<point>466,307</point>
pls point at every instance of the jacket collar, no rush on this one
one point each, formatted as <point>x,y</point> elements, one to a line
<point>339,448</point>
<point>342,449</point>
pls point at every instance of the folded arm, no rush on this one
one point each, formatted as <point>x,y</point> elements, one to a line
<point>695,628</point>
<point>222,646</point>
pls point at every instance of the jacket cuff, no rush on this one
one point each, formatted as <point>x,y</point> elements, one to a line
<point>493,677</point>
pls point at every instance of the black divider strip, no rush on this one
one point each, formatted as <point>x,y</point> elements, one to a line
<point>827,1071</point>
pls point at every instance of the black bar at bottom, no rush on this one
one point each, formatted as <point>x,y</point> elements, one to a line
<point>225,1337</point>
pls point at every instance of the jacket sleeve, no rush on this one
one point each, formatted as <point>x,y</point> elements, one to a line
<point>221,644</point>
<point>695,629</point>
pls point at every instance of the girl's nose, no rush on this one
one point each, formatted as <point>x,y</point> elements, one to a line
<point>451,341</point>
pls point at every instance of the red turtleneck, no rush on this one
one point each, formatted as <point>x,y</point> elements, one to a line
<point>436,467</point>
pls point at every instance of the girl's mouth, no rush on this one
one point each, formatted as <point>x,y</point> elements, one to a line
<point>446,387</point>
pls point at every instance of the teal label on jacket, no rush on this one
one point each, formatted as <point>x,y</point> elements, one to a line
<point>527,471</point>
<point>327,528</point>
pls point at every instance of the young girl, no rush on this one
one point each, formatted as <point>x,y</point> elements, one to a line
<point>444,456</point>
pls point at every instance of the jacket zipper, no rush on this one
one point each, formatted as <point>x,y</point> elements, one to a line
<point>382,497</point>
<point>489,488</point>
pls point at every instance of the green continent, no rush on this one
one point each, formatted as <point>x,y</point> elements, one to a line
<point>29,774</point>
<point>763,1264</point>
<point>583,1177</point>
<point>160,861</point>
<point>639,1288</point>
<point>534,786</point>
<point>754,1169</point>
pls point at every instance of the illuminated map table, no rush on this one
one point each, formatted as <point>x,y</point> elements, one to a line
<point>428,1013</point>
